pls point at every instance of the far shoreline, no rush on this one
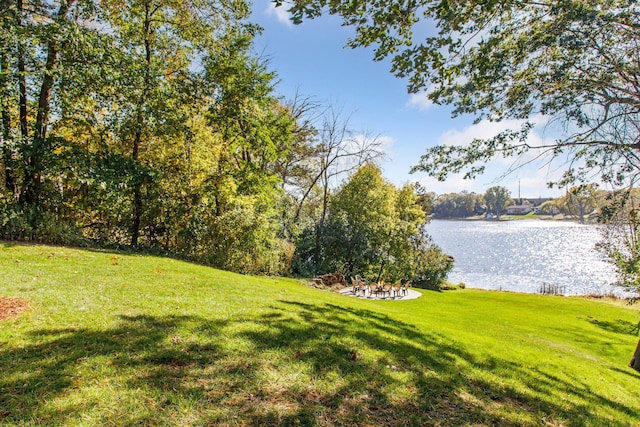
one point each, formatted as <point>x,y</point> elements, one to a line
<point>534,217</point>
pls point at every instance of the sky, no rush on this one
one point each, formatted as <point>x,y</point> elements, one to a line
<point>310,59</point>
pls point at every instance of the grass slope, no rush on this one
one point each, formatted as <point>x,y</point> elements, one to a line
<point>115,339</point>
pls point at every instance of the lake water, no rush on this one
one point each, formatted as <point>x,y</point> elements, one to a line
<point>521,255</point>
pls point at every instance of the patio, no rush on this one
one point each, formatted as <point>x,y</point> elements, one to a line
<point>408,295</point>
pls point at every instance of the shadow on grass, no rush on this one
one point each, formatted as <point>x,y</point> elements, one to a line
<point>297,364</point>
<point>618,326</point>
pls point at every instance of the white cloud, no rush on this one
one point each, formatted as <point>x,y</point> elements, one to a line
<point>483,130</point>
<point>420,101</point>
<point>526,173</point>
<point>280,13</point>
<point>386,144</point>
<point>487,129</point>
<point>453,184</point>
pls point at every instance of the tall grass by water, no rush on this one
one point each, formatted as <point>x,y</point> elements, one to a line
<point>117,339</point>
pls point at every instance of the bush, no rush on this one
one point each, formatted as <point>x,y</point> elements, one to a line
<point>242,239</point>
<point>448,286</point>
<point>14,224</point>
<point>32,224</point>
<point>432,268</point>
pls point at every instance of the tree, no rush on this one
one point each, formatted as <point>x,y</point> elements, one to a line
<point>377,230</point>
<point>257,137</point>
<point>413,253</point>
<point>497,199</point>
<point>621,244</point>
<point>582,199</point>
<point>458,205</point>
<point>553,206</point>
<point>161,41</point>
<point>426,199</point>
<point>147,123</point>
<point>40,41</point>
<point>298,169</point>
<point>621,232</point>
<point>100,103</point>
<point>360,223</point>
<point>571,62</point>
<point>324,149</point>
<point>338,151</point>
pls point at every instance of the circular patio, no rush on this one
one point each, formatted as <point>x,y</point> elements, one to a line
<point>410,294</point>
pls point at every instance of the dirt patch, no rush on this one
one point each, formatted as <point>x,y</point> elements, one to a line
<point>329,281</point>
<point>12,307</point>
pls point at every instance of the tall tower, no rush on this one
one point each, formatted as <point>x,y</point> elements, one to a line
<point>519,198</point>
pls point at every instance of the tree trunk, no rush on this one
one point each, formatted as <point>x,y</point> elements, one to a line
<point>6,122</point>
<point>137,214</point>
<point>33,163</point>
<point>635,361</point>
<point>22,81</point>
<point>137,184</point>
<point>140,125</point>
<point>323,216</point>
<point>306,193</point>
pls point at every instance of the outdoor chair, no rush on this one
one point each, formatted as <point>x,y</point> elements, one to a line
<point>387,289</point>
<point>354,286</point>
<point>362,284</point>
<point>405,287</point>
<point>362,288</point>
<point>373,289</point>
<point>397,289</point>
<point>377,288</point>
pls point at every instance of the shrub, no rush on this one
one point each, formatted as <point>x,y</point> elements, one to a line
<point>448,286</point>
<point>32,224</point>
<point>432,268</point>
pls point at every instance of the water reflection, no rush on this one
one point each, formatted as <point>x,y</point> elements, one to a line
<point>522,255</point>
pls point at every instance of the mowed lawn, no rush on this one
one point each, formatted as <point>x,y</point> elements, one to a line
<point>116,339</point>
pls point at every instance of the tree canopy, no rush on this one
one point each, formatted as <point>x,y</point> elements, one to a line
<point>571,63</point>
<point>145,123</point>
<point>376,230</point>
<point>458,205</point>
<point>497,199</point>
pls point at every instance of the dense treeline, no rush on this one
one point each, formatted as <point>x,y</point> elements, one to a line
<point>141,123</point>
<point>151,124</point>
<point>457,205</point>
<point>579,202</point>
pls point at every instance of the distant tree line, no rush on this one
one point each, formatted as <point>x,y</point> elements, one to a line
<point>152,125</point>
<point>579,202</point>
<point>457,205</point>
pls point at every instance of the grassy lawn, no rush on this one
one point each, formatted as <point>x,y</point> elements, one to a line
<point>115,339</point>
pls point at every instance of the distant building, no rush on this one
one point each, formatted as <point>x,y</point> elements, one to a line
<point>522,209</point>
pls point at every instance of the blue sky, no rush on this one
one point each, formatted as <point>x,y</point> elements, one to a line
<point>311,59</point>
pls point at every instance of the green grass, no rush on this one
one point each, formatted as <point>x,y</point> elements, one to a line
<point>114,339</point>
